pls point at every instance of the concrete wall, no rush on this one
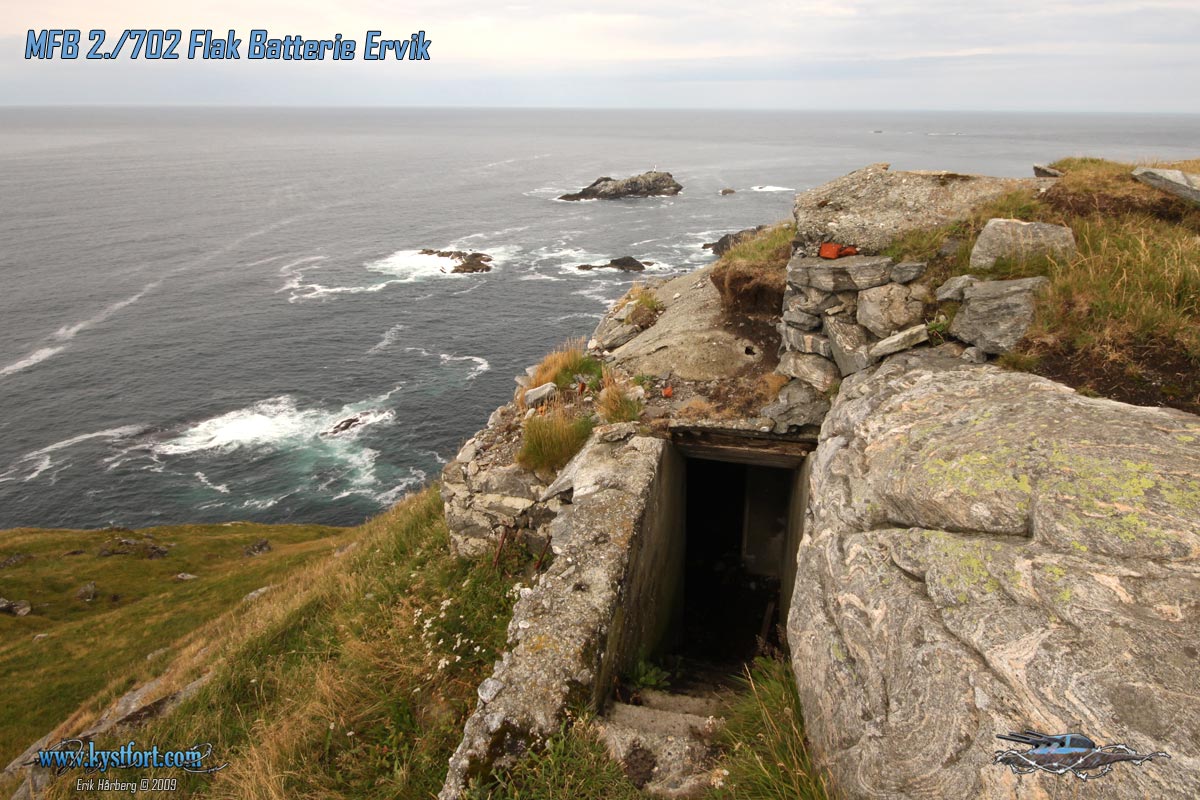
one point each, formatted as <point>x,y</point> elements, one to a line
<point>650,605</point>
<point>795,532</point>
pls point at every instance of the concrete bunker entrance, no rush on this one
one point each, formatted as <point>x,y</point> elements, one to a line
<point>735,532</point>
<point>727,521</point>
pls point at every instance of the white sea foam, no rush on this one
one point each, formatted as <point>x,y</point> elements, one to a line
<point>275,423</point>
<point>413,265</point>
<point>481,364</point>
<point>771,189</point>
<point>389,338</point>
<point>68,332</point>
<point>36,462</point>
<point>36,357</point>
<point>219,487</point>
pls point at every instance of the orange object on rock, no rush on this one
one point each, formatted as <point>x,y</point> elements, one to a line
<point>835,250</point>
<point>668,391</point>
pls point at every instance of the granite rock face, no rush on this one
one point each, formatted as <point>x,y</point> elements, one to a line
<point>872,206</point>
<point>995,314</point>
<point>648,184</point>
<point>1012,238</point>
<point>1179,183</point>
<point>986,552</point>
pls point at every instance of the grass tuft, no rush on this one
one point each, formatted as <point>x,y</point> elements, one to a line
<point>552,438</point>
<point>767,756</point>
<point>616,403</point>
<point>564,367</point>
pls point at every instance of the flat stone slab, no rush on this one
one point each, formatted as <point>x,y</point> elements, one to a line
<point>852,273</point>
<point>1177,182</point>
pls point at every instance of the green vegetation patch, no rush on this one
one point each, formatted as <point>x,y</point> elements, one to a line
<point>98,648</point>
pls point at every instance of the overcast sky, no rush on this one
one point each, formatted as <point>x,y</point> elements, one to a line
<point>1037,55</point>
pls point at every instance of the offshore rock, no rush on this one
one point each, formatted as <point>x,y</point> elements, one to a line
<point>622,263</point>
<point>648,184</point>
<point>465,262</point>
<point>989,552</point>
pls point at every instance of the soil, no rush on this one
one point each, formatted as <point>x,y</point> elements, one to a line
<point>1153,374</point>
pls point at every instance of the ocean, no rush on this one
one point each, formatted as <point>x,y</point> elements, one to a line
<point>191,299</point>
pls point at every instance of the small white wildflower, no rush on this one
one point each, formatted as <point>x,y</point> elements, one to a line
<point>331,726</point>
<point>349,733</point>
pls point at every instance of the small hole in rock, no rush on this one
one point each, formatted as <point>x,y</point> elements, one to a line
<point>749,350</point>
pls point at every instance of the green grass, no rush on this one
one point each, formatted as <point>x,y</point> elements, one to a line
<point>354,683</point>
<point>553,438</point>
<point>99,649</point>
<point>1133,287</point>
<point>767,757</point>
<point>572,766</point>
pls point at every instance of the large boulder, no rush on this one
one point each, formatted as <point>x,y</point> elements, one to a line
<point>872,206</point>
<point>988,551</point>
<point>648,184</point>
<point>996,314</point>
<point>1014,239</point>
<point>1174,181</point>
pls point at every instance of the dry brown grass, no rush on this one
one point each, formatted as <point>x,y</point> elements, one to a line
<point>697,408</point>
<point>615,402</point>
<point>560,367</point>
<point>768,387</point>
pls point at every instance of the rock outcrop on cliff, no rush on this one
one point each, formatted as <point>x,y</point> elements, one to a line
<point>988,551</point>
<point>648,184</point>
<point>872,206</point>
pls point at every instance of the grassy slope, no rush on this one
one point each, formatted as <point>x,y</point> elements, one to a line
<point>1121,318</point>
<point>99,648</point>
<point>354,682</point>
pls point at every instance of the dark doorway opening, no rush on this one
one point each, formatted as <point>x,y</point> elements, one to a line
<point>736,532</point>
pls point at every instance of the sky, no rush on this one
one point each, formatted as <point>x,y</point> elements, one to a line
<point>1023,55</point>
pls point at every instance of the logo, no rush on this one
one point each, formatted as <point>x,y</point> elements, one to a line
<point>1066,752</point>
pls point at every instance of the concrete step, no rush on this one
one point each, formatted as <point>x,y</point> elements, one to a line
<point>702,705</point>
<point>667,746</point>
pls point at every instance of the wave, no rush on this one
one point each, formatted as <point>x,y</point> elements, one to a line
<point>219,487</point>
<point>481,364</point>
<point>36,357</point>
<point>413,265</point>
<point>771,189</point>
<point>68,332</point>
<point>273,424</point>
<point>389,338</point>
<point>41,460</point>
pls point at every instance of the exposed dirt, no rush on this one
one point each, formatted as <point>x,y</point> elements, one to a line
<point>1151,203</point>
<point>1154,374</point>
